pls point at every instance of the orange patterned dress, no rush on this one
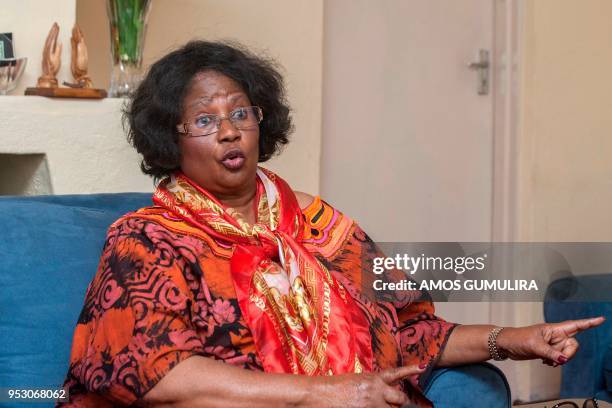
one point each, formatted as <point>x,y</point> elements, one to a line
<point>164,292</point>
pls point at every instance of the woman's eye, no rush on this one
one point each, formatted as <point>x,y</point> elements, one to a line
<point>240,114</point>
<point>203,121</point>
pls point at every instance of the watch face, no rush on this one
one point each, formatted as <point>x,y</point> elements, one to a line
<point>6,46</point>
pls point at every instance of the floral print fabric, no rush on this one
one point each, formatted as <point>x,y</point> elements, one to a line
<point>163,292</point>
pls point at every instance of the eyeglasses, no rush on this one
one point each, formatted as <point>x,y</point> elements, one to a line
<point>589,403</point>
<point>244,118</point>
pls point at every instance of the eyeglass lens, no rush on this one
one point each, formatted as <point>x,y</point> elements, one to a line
<point>242,118</point>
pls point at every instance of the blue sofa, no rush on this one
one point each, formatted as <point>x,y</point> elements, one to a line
<point>589,373</point>
<point>50,247</point>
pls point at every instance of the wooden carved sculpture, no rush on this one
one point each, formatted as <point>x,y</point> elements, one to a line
<point>51,59</point>
<point>78,63</point>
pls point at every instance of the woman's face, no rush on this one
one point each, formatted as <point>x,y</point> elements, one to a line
<point>225,162</point>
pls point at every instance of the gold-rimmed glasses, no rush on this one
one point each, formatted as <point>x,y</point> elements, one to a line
<point>589,403</point>
<point>243,118</point>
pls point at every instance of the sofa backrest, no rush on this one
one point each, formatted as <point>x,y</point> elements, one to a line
<point>49,250</point>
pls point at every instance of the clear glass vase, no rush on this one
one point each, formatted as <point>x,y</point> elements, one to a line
<point>128,24</point>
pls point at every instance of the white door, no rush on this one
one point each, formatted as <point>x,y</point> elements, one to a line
<point>407,139</point>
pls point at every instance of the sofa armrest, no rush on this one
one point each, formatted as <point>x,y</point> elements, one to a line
<point>474,385</point>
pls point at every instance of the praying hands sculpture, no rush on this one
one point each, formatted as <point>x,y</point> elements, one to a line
<point>47,84</point>
<point>51,59</point>
<point>78,63</point>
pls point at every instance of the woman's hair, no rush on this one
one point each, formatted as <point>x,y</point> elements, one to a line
<point>156,106</point>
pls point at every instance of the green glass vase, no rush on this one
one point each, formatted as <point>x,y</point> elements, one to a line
<point>128,24</point>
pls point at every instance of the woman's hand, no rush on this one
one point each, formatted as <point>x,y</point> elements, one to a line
<point>364,390</point>
<point>554,343</point>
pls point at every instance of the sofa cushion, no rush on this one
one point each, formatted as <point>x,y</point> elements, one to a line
<point>50,247</point>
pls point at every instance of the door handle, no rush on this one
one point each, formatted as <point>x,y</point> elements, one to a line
<point>483,67</point>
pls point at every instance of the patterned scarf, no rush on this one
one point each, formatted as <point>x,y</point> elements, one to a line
<point>302,319</point>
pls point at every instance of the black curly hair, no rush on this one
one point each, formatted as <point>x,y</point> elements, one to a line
<point>155,108</point>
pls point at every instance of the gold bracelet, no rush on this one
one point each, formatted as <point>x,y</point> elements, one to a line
<point>494,352</point>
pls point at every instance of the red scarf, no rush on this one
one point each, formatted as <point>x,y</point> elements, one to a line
<point>302,319</point>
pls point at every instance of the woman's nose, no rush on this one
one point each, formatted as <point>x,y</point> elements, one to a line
<point>227,131</point>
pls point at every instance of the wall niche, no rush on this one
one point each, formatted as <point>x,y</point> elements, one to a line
<point>24,175</point>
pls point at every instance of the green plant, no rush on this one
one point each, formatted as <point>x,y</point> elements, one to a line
<point>127,24</point>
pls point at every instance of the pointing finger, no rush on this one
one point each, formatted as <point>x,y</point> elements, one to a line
<point>571,327</point>
<point>393,375</point>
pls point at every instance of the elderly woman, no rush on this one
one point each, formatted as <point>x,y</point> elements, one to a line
<point>235,290</point>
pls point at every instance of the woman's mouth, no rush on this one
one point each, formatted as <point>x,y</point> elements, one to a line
<point>233,159</point>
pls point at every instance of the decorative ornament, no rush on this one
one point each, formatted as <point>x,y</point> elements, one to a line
<point>128,24</point>
<point>78,60</point>
<point>51,59</point>
<point>47,84</point>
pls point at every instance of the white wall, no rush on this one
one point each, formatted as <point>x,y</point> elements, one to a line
<point>565,175</point>
<point>30,22</point>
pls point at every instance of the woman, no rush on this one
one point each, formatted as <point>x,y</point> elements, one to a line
<point>232,281</point>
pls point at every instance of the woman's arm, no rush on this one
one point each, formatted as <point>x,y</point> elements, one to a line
<point>204,382</point>
<point>552,342</point>
<point>467,344</point>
